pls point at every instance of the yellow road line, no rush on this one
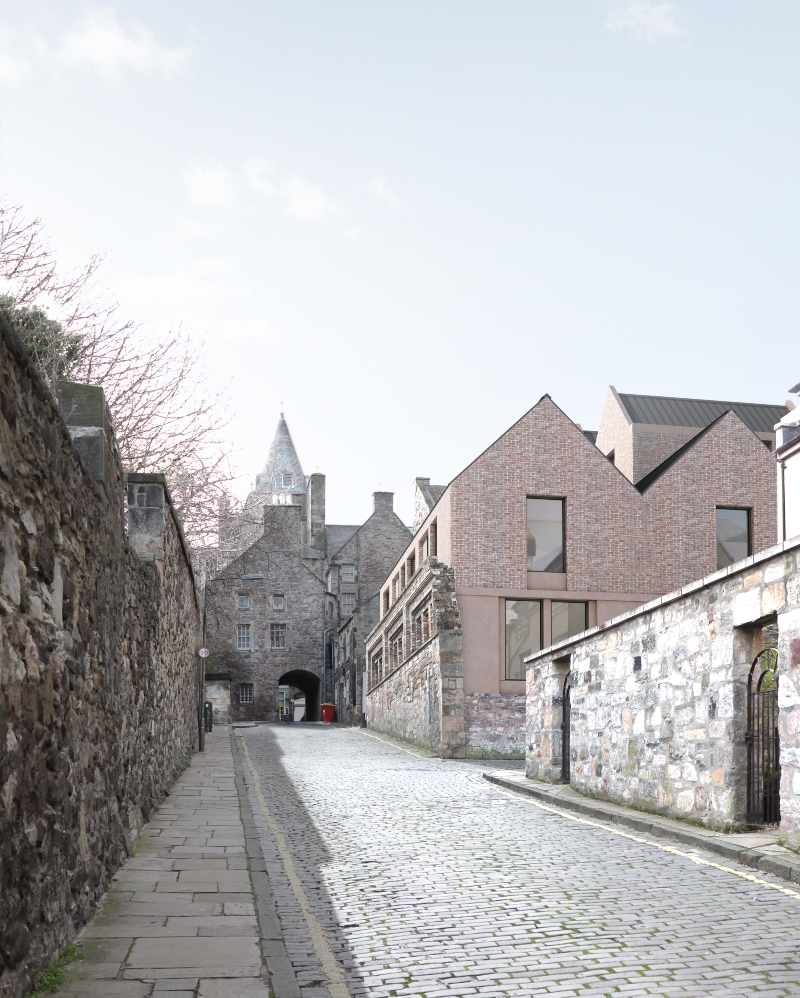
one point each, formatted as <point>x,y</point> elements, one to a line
<point>332,970</point>
<point>400,748</point>
<point>636,838</point>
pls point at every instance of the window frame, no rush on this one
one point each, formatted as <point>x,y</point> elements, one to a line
<point>244,630</point>
<point>579,602</point>
<point>563,501</point>
<point>287,480</point>
<point>345,571</point>
<point>738,509</point>
<point>246,693</point>
<point>277,629</point>
<point>282,598</point>
<point>243,601</point>
<point>506,601</point>
<point>347,613</point>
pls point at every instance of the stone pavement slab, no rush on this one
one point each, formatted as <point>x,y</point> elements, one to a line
<point>179,915</point>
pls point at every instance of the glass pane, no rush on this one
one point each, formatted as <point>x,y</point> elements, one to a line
<point>568,619</point>
<point>732,536</point>
<point>523,634</point>
<point>545,535</point>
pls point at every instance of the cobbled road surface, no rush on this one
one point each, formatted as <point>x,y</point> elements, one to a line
<point>428,881</point>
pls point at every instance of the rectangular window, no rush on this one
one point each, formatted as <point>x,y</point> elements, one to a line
<point>278,602</point>
<point>243,602</point>
<point>386,601</point>
<point>523,634</point>
<point>396,649</point>
<point>286,480</point>
<point>411,566</point>
<point>546,535</point>
<point>733,535</point>
<point>421,631</point>
<point>348,604</point>
<point>348,573</point>
<point>245,692</point>
<point>402,578</point>
<point>377,667</point>
<point>277,635</point>
<point>568,619</point>
<point>243,637</point>
<point>434,535</point>
<point>423,548</point>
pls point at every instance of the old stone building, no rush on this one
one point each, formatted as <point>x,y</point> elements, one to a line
<point>548,533</point>
<point>285,581</point>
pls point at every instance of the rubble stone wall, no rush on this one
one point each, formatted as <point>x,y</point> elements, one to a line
<point>658,697</point>
<point>494,724</point>
<point>99,682</point>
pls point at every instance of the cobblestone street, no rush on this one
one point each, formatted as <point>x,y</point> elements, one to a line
<point>429,881</point>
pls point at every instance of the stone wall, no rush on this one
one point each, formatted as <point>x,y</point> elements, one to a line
<point>421,697</point>
<point>658,712</point>
<point>494,724</point>
<point>99,679</point>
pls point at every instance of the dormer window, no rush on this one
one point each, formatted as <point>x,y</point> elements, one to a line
<point>286,480</point>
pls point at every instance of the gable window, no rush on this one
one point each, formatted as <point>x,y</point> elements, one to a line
<point>545,535</point>
<point>523,634</point>
<point>277,635</point>
<point>286,479</point>
<point>243,637</point>
<point>278,602</point>
<point>348,603</point>
<point>245,692</point>
<point>568,619</point>
<point>243,602</point>
<point>733,535</point>
<point>348,573</point>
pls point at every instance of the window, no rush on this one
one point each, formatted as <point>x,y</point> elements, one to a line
<point>423,548</point>
<point>386,601</point>
<point>396,648</point>
<point>568,619</point>
<point>422,625</point>
<point>286,479</point>
<point>402,578</point>
<point>395,587</point>
<point>243,637</point>
<point>245,692</point>
<point>545,535</point>
<point>278,602</point>
<point>377,667</point>
<point>733,535</point>
<point>243,602</point>
<point>348,573</point>
<point>411,566</point>
<point>523,634</point>
<point>277,635</point>
<point>348,603</point>
<point>434,535</point>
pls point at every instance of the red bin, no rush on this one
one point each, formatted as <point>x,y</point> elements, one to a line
<point>327,712</point>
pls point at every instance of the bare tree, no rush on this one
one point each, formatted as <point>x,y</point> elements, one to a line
<point>165,416</point>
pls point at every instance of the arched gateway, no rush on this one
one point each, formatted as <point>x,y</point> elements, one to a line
<point>309,684</point>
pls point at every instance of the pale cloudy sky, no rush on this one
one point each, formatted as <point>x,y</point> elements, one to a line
<point>403,222</point>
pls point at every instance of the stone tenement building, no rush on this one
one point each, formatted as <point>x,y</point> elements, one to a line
<point>99,674</point>
<point>285,582</point>
<point>552,530</point>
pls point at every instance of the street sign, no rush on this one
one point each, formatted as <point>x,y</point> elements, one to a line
<point>204,653</point>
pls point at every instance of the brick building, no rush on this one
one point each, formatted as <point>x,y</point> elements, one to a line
<point>284,582</point>
<point>550,531</point>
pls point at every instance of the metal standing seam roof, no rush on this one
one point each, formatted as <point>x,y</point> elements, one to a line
<point>664,411</point>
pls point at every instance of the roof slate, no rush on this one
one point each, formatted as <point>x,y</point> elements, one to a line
<point>664,411</point>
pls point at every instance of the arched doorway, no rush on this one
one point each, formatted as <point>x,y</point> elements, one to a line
<point>309,684</point>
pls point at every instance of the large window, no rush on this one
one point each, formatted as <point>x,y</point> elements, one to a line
<point>348,573</point>
<point>546,535</point>
<point>243,637</point>
<point>733,536</point>
<point>277,635</point>
<point>348,604</point>
<point>567,620</point>
<point>523,634</point>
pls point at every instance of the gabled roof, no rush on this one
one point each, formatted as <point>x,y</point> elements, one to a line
<point>653,476</point>
<point>338,535</point>
<point>662,410</point>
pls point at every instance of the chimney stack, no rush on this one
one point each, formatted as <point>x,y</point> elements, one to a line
<point>383,502</point>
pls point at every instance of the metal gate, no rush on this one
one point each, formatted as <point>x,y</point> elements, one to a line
<point>565,729</point>
<point>763,744</point>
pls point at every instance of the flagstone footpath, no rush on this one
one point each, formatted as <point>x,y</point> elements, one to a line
<point>179,918</point>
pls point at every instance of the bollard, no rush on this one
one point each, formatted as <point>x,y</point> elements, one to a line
<point>209,713</point>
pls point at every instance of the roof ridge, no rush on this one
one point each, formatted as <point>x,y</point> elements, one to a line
<point>660,469</point>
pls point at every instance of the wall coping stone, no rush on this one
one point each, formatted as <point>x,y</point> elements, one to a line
<point>737,568</point>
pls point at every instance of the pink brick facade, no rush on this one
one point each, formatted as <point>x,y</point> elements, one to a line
<point>623,546</point>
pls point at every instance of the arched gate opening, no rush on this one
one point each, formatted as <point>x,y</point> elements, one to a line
<point>309,684</point>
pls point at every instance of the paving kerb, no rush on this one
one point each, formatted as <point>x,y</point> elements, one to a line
<point>771,858</point>
<point>279,966</point>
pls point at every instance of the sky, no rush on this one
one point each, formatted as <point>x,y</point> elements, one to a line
<point>403,223</point>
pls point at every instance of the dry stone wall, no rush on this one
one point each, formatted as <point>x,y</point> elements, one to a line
<point>99,683</point>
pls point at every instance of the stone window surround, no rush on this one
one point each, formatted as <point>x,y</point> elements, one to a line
<point>348,573</point>
<point>244,639</point>
<point>246,693</point>
<point>344,603</point>
<point>277,636</point>
<point>278,601</point>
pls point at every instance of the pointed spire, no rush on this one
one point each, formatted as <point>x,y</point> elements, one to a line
<point>282,472</point>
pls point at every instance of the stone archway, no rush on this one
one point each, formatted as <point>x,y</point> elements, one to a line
<point>309,684</point>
